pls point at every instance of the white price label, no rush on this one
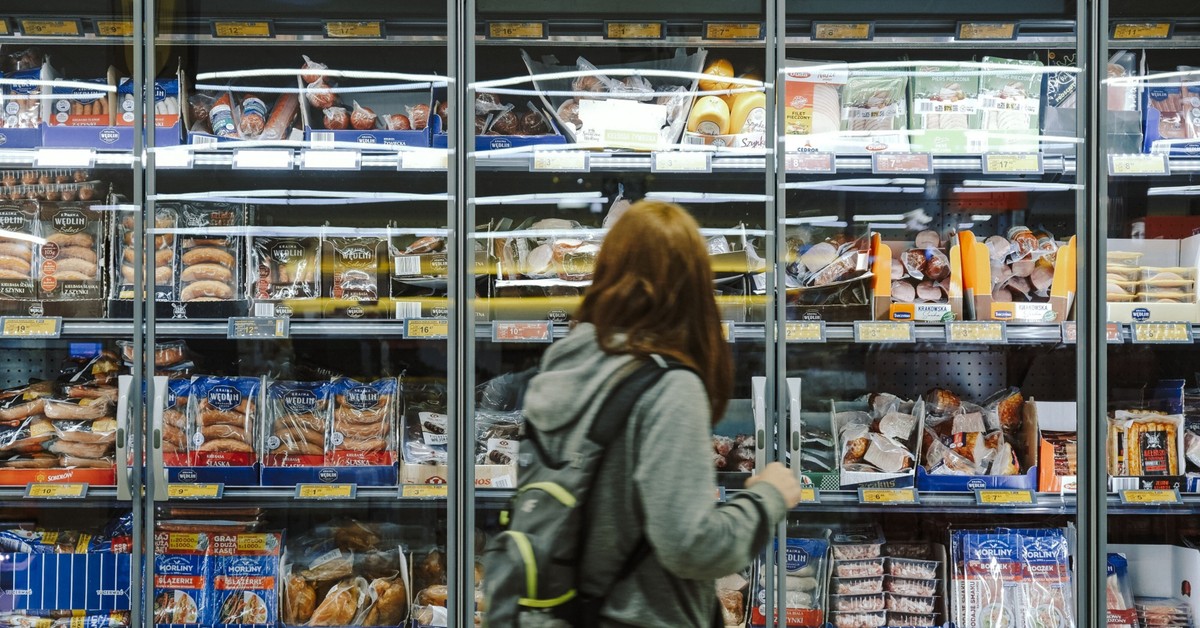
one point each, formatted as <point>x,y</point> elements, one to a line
<point>430,159</point>
<point>260,159</point>
<point>173,157</point>
<point>681,161</point>
<point>64,158</point>
<point>330,160</point>
<point>559,161</point>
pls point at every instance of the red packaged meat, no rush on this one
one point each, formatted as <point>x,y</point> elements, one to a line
<point>336,118</point>
<point>362,118</point>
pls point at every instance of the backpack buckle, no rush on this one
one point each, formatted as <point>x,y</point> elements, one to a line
<point>658,359</point>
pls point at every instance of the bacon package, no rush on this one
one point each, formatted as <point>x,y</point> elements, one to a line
<point>1144,443</point>
<point>245,574</point>
<point>181,568</point>
<point>224,412</point>
<point>364,422</point>
<point>1012,577</point>
<point>297,423</point>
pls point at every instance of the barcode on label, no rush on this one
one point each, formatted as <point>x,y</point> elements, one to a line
<point>203,140</point>
<point>407,265</point>
<point>407,310</point>
<point>264,310</point>
<point>1020,105</point>
<point>941,106</point>
<point>322,137</point>
<point>976,144</point>
<point>863,113</point>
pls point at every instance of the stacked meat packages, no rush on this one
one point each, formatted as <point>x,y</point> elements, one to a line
<point>68,423</point>
<point>1022,265</point>
<point>216,577</point>
<point>210,253</point>
<point>881,439</point>
<point>49,185</point>
<point>1127,280</point>
<point>921,274</point>
<point>243,115</point>
<point>1011,577</point>
<point>883,584</point>
<point>23,96</point>
<point>337,115</point>
<point>962,438</point>
<point>1163,612</point>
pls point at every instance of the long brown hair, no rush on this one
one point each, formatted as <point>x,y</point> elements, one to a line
<point>653,293</point>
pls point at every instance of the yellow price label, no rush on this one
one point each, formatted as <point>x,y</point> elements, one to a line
<point>51,28</point>
<point>976,331</point>
<point>887,495</point>
<point>424,490</point>
<point>1134,165</point>
<point>1156,333</point>
<point>727,330</point>
<point>1004,497</point>
<point>809,495</point>
<point>194,491</point>
<point>22,327</point>
<point>987,30</point>
<point>517,30</point>
<point>326,491</point>
<point>1148,30</point>
<point>559,161</point>
<point>1014,163</point>
<point>48,490</point>
<point>114,28</point>
<point>680,161</point>
<point>1148,496</point>
<point>842,31</point>
<point>733,30</point>
<point>372,29</point>
<point>4,27</point>
<point>865,331</point>
<point>242,29</point>
<point>804,332</point>
<point>426,328</point>
<point>633,30</point>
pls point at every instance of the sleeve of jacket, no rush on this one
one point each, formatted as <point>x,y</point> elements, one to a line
<point>693,535</point>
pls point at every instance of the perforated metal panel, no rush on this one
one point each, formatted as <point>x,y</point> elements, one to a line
<point>20,364</point>
<point>910,371</point>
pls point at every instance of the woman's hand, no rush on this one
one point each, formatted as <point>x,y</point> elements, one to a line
<point>782,479</point>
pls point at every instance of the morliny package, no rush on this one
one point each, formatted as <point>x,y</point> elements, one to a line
<point>18,269</point>
<point>71,260</point>
<point>182,567</point>
<point>244,581</point>
<point>297,423</point>
<point>1046,578</point>
<point>1010,104</point>
<point>224,414</point>
<point>987,587</point>
<point>944,114</point>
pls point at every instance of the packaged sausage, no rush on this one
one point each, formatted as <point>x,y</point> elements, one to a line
<point>856,586</point>
<point>285,269</point>
<point>857,542</point>
<point>210,263</point>
<point>80,105</point>
<point>166,255</point>
<point>1144,444</point>
<point>245,570</point>
<point>175,426</point>
<point>354,268</point>
<point>72,258</point>
<point>254,117</point>
<point>182,567</point>
<point>18,266</point>
<point>364,420</point>
<point>279,123</point>
<point>223,414</point>
<point>220,117</point>
<point>497,436</point>
<point>21,98</point>
<point>297,423</point>
<point>807,566</point>
<point>27,436</point>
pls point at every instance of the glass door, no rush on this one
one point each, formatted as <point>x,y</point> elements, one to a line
<point>297,252</point>
<point>928,251</point>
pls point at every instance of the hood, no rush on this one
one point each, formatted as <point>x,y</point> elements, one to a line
<point>573,369</point>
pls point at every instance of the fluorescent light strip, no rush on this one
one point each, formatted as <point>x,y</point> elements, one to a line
<point>537,199</point>
<point>963,68</point>
<point>370,89</point>
<point>508,91</point>
<point>706,197</point>
<point>870,217</point>
<point>107,89</point>
<point>1011,186</point>
<point>485,86</point>
<point>981,217</point>
<point>13,235</point>
<point>886,226</point>
<point>357,74</point>
<point>300,197</point>
<point>808,220</point>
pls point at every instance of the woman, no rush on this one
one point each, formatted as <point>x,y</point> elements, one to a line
<point>652,294</point>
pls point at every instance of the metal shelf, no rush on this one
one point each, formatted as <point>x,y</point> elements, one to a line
<point>902,33</point>
<point>285,497</point>
<point>14,496</point>
<point>27,157</point>
<point>957,503</point>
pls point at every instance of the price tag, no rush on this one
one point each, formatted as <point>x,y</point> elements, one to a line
<point>51,28</point>
<point>1151,496</point>
<point>236,30</point>
<point>1112,333</point>
<point>369,29</point>
<point>1013,163</point>
<point>431,159</point>
<point>733,30</point>
<point>326,491</point>
<point>1161,333</point>
<point>804,332</point>
<point>877,331</point>
<point>1004,497</point>
<point>114,28</point>
<point>902,163</point>
<point>4,29</point>
<point>968,31</point>
<point>985,332</point>
<point>522,331</point>
<point>559,161</point>
<point>425,491</point>
<point>728,331</point>
<point>195,491</point>
<point>173,158</point>
<point>516,30</point>
<point>254,328</point>
<point>634,30</point>
<point>49,490</point>
<point>262,159</point>
<point>843,31</point>
<point>1070,333</point>
<point>887,496</point>
<point>1143,30</point>
<point>64,158</point>
<point>330,160</point>
<point>810,495</point>
<point>681,161</point>
<point>1138,165</point>
<point>25,327</point>
<point>426,328</point>
<point>818,163</point>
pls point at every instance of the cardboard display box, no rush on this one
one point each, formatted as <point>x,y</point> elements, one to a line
<point>977,284</point>
<point>887,308</point>
<point>1028,440</point>
<point>1054,417</point>
<point>1159,253</point>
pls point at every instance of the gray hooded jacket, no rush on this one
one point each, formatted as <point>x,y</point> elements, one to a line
<point>658,480</point>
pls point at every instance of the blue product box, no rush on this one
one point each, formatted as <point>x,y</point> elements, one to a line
<point>362,476</point>
<point>230,476</point>
<point>383,103</point>
<point>95,581</point>
<point>20,138</point>
<point>497,142</point>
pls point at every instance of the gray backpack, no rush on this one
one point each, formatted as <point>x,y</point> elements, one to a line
<point>533,568</point>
